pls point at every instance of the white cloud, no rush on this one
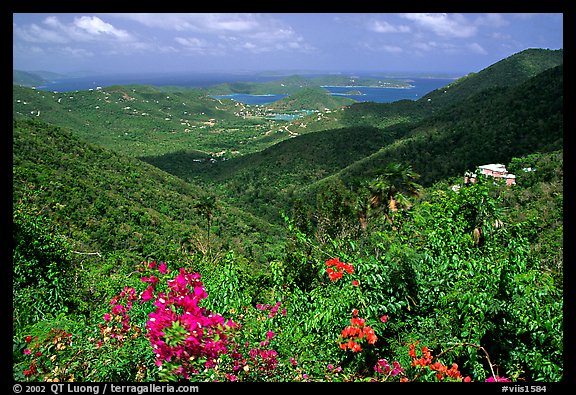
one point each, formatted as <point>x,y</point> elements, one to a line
<point>34,33</point>
<point>477,48</point>
<point>382,47</point>
<point>76,52</point>
<point>444,25</point>
<point>96,27</point>
<point>492,20</point>
<point>208,23</point>
<point>385,27</point>
<point>191,42</point>
<point>391,48</point>
<point>254,33</point>
<point>425,46</point>
<point>81,29</point>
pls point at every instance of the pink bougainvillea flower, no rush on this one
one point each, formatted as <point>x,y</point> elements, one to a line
<point>27,351</point>
<point>384,318</point>
<point>162,268</point>
<point>117,309</point>
<point>147,294</point>
<point>497,379</point>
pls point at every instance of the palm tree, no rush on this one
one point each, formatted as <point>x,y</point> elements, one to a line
<point>391,186</point>
<point>206,207</point>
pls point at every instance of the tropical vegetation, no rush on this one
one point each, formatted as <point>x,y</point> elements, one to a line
<point>352,252</point>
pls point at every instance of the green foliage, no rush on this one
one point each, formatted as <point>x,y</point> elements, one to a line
<point>42,269</point>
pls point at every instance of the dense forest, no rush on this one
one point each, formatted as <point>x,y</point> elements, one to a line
<point>204,241</point>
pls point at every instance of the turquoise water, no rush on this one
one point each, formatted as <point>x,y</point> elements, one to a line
<point>290,117</point>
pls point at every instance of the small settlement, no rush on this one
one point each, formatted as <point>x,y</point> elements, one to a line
<point>492,170</point>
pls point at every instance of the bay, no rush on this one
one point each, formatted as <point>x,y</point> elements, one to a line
<point>418,86</point>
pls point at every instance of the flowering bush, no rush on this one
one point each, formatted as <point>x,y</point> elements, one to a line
<point>187,341</point>
<point>356,332</point>
<point>46,362</point>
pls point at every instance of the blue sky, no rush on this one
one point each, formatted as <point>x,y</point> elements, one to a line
<point>456,43</point>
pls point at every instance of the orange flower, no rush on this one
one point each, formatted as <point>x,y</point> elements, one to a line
<point>453,371</point>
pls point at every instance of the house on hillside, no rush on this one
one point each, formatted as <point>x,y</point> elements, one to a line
<point>492,170</point>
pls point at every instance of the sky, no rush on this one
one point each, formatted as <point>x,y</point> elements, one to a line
<point>456,43</point>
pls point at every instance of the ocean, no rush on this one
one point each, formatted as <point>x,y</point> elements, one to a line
<point>419,86</point>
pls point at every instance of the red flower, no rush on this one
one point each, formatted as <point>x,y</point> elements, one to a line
<point>337,273</point>
<point>384,318</point>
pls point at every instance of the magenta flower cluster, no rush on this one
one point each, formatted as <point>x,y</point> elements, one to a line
<point>180,331</point>
<point>118,326</point>
<point>272,310</point>
<point>383,367</point>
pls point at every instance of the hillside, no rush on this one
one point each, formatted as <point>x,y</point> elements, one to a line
<point>510,71</point>
<point>314,98</point>
<point>26,78</point>
<point>262,182</point>
<point>140,120</point>
<point>490,127</point>
<point>119,205</point>
<point>134,120</point>
<point>505,73</point>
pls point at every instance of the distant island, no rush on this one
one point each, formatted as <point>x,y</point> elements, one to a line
<point>291,84</point>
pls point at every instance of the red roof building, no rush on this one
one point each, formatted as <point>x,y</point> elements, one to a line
<point>493,170</point>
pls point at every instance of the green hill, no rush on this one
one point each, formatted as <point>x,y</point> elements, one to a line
<point>137,119</point>
<point>119,205</point>
<point>26,78</point>
<point>314,98</point>
<point>510,71</point>
<point>262,182</point>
